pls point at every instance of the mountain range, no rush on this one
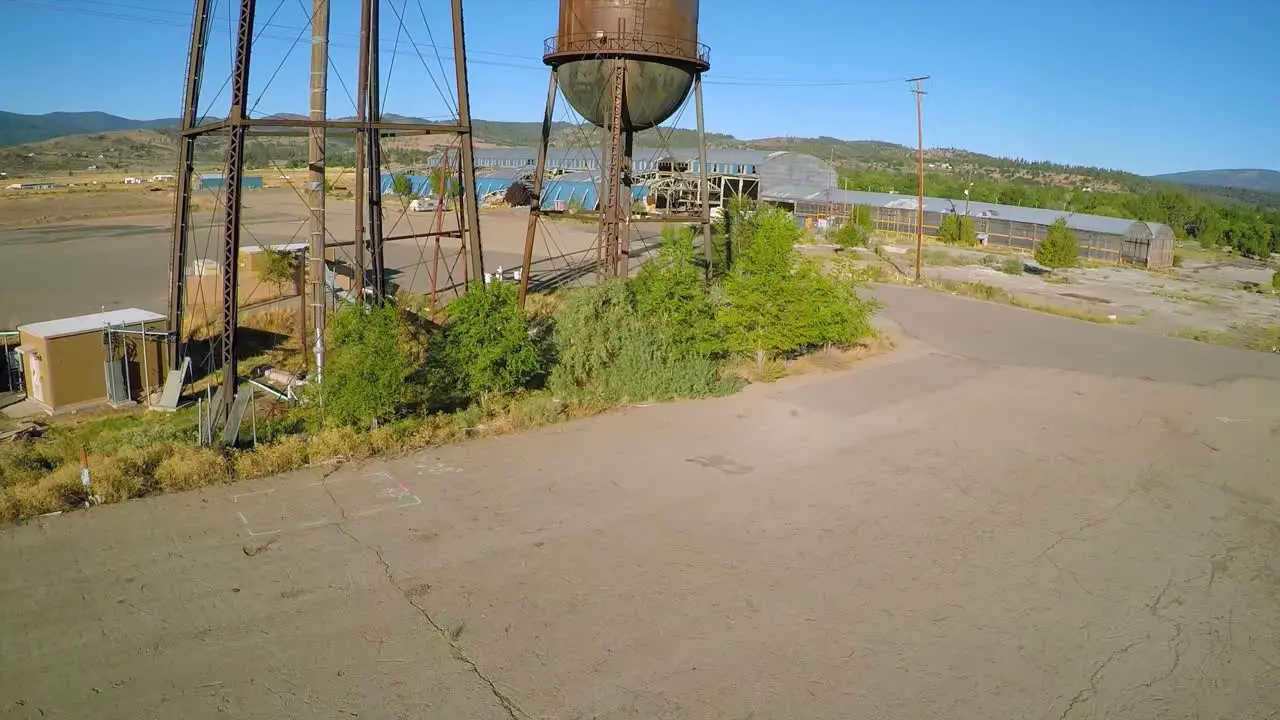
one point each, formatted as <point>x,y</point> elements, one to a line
<point>142,143</point>
<point>1248,179</point>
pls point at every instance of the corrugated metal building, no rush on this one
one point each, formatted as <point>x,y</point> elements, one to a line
<point>571,190</point>
<point>777,166</point>
<point>216,181</point>
<point>1101,238</point>
<point>734,162</point>
<point>732,172</point>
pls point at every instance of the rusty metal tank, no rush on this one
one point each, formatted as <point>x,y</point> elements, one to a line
<point>658,39</point>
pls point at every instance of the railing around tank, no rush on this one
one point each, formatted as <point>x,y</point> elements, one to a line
<point>605,44</point>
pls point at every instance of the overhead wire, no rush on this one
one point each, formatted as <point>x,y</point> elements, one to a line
<point>717,79</point>
<point>439,62</point>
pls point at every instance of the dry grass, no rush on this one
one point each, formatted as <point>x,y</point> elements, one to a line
<point>189,468</point>
<point>1262,338</point>
<point>32,208</point>
<point>834,359</point>
<point>941,258</point>
<point>1188,297</point>
<point>983,291</point>
<point>56,491</point>
<point>288,453</point>
<point>829,359</point>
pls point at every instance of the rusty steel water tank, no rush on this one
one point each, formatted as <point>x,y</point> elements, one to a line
<point>658,39</point>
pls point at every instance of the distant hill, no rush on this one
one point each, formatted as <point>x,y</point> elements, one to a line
<point>1257,180</point>
<point>17,129</point>
<point>34,145</point>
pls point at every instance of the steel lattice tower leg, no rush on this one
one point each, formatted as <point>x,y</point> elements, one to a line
<point>233,178</point>
<point>186,172</point>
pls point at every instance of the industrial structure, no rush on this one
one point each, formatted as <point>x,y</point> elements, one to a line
<point>624,66</point>
<point>1106,239</point>
<point>666,180</point>
<point>367,129</point>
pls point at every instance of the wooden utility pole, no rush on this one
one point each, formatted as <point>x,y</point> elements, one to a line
<point>470,206</point>
<point>358,181</point>
<point>919,93</point>
<point>317,187</point>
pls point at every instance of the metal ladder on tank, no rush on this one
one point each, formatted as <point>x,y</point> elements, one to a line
<point>637,20</point>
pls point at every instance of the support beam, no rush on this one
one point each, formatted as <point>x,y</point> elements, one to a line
<point>919,93</point>
<point>358,188</point>
<point>471,204</point>
<point>535,205</point>
<point>186,172</point>
<point>373,158</point>
<point>704,187</point>
<point>625,201</point>
<point>611,173</point>
<point>316,164</point>
<point>292,126</point>
<point>231,224</point>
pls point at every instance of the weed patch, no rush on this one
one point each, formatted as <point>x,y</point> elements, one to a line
<point>984,291</point>
<point>1261,338</point>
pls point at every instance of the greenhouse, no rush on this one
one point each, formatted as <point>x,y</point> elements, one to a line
<point>1106,239</point>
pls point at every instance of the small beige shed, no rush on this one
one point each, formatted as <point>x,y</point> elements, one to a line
<point>114,357</point>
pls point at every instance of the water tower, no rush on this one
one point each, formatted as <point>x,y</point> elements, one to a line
<point>624,66</point>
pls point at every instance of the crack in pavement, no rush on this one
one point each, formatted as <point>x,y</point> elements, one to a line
<point>1074,535</point>
<point>1175,645</point>
<point>513,711</point>
<point>1089,692</point>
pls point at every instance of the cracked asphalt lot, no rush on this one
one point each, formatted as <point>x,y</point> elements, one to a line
<point>1011,516</point>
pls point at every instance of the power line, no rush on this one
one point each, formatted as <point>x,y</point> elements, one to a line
<point>719,80</point>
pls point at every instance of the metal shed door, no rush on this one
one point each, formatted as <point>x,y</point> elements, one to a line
<point>37,382</point>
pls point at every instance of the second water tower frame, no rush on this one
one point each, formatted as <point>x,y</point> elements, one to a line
<point>635,51</point>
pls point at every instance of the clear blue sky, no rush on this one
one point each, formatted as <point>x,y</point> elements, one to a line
<point>1134,84</point>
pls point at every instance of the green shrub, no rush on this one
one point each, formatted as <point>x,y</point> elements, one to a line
<point>607,350</point>
<point>366,368</point>
<point>734,232</point>
<point>957,230</point>
<point>1275,281</point>
<point>777,302</point>
<point>1012,266</point>
<point>1178,259</point>
<point>857,231</point>
<point>485,348</point>
<point>670,293</point>
<point>402,185</point>
<point>279,268</point>
<point>1059,249</point>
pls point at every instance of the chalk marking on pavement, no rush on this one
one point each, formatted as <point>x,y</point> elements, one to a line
<point>438,468</point>
<point>236,497</point>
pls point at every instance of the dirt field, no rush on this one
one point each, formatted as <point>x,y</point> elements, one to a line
<point>72,268</point>
<point>1203,294</point>
<point>37,208</point>
<point>1012,516</point>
